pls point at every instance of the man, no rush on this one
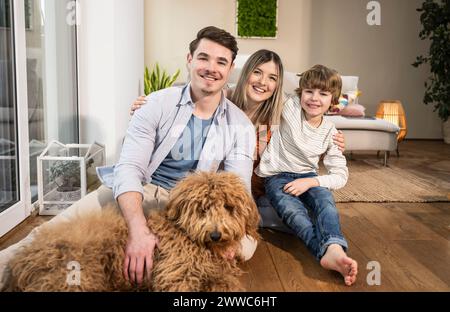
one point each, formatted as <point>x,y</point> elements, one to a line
<point>180,130</point>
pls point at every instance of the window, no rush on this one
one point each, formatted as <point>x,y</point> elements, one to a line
<point>51,78</point>
<point>9,174</point>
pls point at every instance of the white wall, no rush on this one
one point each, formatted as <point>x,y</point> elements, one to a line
<point>111,61</point>
<point>170,25</point>
<point>380,55</point>
<point>331,32</point>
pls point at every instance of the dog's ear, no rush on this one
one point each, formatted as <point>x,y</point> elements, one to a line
<point>172,213</point>
<point>175,206</point>
<point>176,202</point>
<point>182,199</point>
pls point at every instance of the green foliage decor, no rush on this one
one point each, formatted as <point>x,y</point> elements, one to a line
<point>157,80</point>
<point>435,19</point>
<point>257,18</point>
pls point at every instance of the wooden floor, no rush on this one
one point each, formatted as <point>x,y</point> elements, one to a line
<point>410,241</point>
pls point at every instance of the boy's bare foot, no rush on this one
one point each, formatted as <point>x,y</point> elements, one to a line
<point>336,259</point>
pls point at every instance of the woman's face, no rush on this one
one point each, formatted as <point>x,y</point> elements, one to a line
<point>262,83</point>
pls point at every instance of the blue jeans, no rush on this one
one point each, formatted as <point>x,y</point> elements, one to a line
<point>312,216</point>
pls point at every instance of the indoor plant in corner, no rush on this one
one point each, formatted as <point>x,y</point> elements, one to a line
<point>156,80</point>
<point>435,19</point>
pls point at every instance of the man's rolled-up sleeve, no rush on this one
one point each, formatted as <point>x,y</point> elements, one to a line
<point>137,148</point>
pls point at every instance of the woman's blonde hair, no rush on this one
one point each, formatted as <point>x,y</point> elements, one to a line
<point>323,78</point>
<point>269,112</point>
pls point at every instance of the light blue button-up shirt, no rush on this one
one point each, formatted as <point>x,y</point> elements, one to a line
<point>156,127</point>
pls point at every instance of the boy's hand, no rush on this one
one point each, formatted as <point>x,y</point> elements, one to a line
<point>299,186</point>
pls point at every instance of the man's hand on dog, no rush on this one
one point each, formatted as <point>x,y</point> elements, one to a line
<point>139,255</point>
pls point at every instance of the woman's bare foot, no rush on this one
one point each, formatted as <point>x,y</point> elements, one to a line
<point>336,259</point>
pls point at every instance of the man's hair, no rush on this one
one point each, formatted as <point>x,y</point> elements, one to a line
<point>323,78</point>
<point>216,35</point>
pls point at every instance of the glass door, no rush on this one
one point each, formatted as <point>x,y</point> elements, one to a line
<point>51,66</point>
<point>15,201</point>
<point>38,95</point>
<point>9,191</point>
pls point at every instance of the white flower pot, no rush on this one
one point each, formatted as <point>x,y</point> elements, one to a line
<point>446,131</point>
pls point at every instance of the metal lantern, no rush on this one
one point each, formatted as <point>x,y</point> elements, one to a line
<point>392,111</point>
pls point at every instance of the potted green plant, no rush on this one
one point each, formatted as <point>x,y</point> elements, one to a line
<point>435,19</point>
<point>157,80</point>
<point>66,174</point>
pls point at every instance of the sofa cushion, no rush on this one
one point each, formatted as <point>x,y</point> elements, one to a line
<point>353,110</point>
<point>369,123</point>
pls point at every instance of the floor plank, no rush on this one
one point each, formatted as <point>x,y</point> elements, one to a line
<point>22,230</point>
<point>394,223</point>
<point>404,271</point>
<point>435,216</point>
<point>261,272</point>
<point>293,262</point>
<point>431,255</point>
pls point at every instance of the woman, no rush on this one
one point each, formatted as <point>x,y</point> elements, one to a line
<point>259,94</point>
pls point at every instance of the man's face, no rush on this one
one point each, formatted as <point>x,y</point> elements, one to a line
<point>209,67</point>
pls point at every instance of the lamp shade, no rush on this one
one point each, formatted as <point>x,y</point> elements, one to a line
<point>392,111</point>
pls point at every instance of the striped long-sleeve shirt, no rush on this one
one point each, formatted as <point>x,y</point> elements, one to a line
<point>296,147</point>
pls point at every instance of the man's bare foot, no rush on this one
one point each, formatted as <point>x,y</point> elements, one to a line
<point>336,259</point>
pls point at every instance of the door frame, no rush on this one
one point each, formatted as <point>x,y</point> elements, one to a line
<point>15,214</point>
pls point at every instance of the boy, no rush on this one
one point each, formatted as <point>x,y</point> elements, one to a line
<point>290,165</point>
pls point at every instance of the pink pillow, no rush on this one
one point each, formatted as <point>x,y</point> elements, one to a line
<point>353,110</point>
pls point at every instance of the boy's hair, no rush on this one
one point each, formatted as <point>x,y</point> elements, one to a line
<point>269,112</point>
<point>323,78</point>
<point>216,35</point>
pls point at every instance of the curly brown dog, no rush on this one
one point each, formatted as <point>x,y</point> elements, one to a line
<point>207,213</point>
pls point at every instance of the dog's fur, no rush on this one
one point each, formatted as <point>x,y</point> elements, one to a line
<point>186,260</point>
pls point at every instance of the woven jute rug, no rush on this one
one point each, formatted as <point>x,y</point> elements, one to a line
<point>370,181</point>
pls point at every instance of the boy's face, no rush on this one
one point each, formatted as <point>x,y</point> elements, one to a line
<point>209,67</point>
<point>315,102</point>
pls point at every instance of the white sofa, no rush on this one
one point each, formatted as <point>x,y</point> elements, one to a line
<point>367,134</point>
